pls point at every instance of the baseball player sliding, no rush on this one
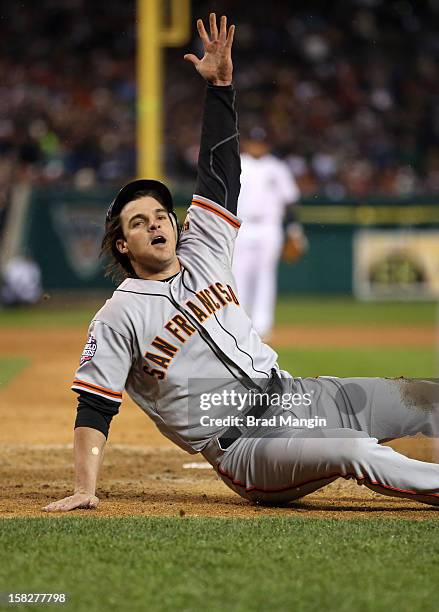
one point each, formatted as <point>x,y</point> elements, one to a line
<point>175,337</point>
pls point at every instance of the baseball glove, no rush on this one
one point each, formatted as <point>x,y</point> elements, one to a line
<point>296,244</point>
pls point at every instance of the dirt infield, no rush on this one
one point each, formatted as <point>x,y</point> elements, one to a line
<point>143,473</point>
<point>151,480</point>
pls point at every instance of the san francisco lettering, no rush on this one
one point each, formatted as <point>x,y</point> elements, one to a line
<point>204,303</point>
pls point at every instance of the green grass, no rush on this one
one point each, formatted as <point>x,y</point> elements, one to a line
<point>410,362</point>
<point>10,367</point>
<point>161,564</point>
<point>290,310</point>
<point>347,311</point>
<point>42,316</point>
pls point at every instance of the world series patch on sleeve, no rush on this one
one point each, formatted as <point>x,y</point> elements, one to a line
<point>89,350</point>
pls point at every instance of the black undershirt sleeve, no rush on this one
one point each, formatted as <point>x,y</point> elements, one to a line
<point>219,164</point>
<point>95,412</point>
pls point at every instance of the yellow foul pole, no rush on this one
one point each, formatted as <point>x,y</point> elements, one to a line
<point>149,88</point>
<point>151,36</point>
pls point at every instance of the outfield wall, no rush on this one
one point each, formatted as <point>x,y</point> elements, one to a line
<point>62,230</point>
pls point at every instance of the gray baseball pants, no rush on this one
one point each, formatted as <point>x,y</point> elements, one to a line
<point>285,463</point>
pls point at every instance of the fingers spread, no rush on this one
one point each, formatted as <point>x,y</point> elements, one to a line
<point>190,57</point>
<point>230,36</point>
<point>213,27</point>
<point>202,31</point>
<point>223,29</point>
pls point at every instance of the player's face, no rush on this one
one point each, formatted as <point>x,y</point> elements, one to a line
<point>255,148</point>
<point>149,236</point>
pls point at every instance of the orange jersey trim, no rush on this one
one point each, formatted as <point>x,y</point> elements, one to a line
<point>233,222</point>
<point>97,388</point>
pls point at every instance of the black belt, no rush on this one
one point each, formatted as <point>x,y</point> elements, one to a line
<point>258,410</point>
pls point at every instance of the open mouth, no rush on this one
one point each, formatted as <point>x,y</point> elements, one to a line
<point>158,240</point>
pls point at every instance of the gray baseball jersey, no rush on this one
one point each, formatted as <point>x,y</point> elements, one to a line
<point>151,338</point>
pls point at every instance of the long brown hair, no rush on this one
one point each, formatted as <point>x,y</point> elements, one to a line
<point>118,265</point>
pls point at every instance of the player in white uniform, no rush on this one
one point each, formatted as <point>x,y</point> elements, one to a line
<point>268,189</point>
<point>21,282</point>
<point>175,338</point>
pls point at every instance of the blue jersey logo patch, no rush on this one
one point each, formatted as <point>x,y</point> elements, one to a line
<point>89,350</point>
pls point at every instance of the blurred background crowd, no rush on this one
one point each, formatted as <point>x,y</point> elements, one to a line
<point>349,97</point>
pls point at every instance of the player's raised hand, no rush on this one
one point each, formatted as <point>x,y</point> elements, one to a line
<point>216,65</point>
<point>78,500</point>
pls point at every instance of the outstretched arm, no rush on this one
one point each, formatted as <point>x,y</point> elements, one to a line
<point>88,447</point>
<point>219,164</point>
<point>99,381</point>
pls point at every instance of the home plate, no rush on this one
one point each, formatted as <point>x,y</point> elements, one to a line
<point>197,465</point>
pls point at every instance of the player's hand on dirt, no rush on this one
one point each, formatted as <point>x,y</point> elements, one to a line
<point>216,65</point>
<point>77,500</point>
